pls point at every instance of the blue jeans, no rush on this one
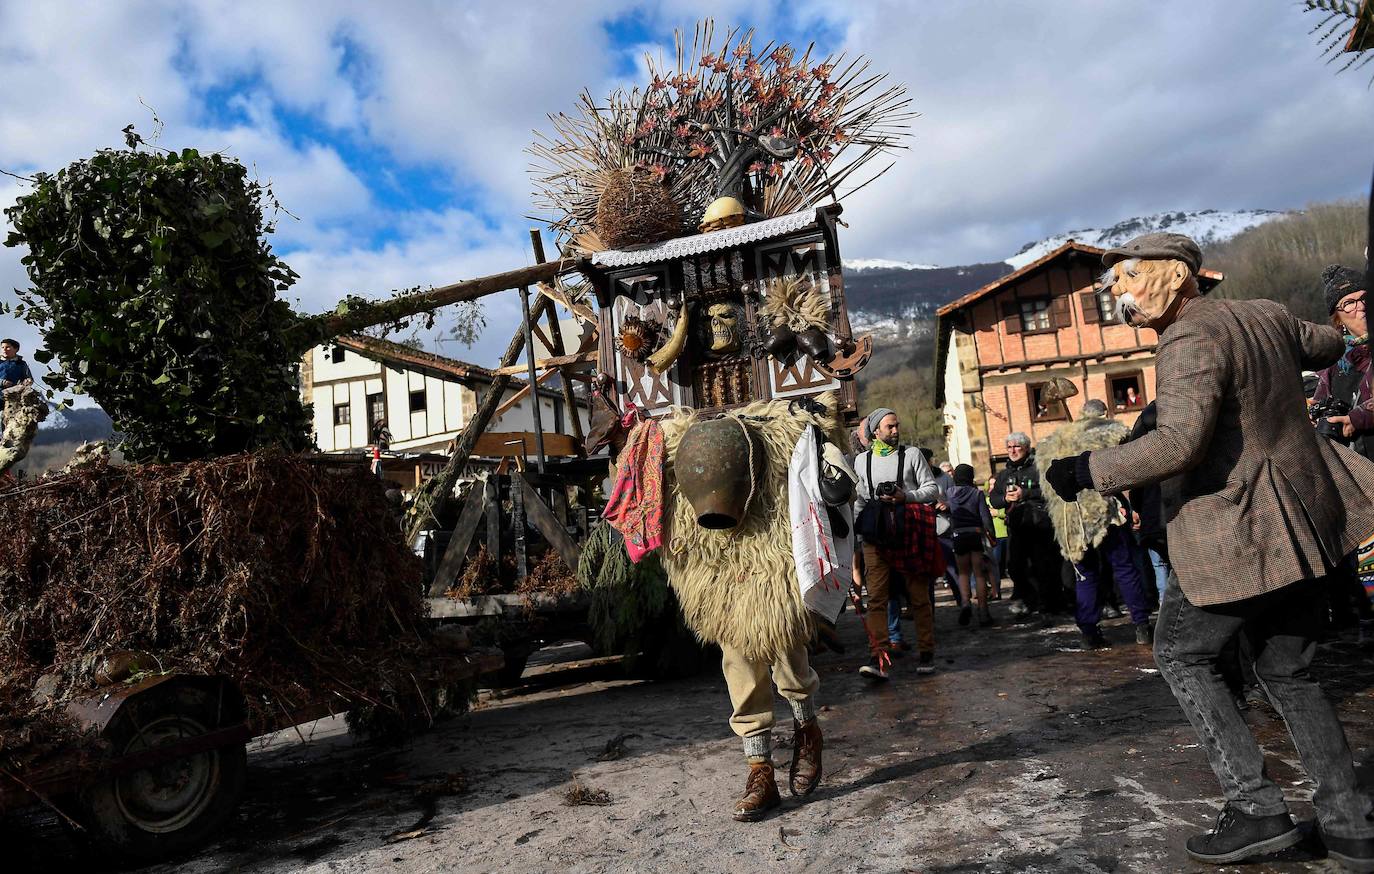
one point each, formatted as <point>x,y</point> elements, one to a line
<point>1161,567</point>
<point>894,613</point>
<point>1119,550</point>
<point>1282,628</point>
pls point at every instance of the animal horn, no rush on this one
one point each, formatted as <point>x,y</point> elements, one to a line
<point>669,352</point>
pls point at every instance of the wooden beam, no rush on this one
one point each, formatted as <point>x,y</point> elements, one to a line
<point>581,310</point>
<point>543,338</point>
<point>588,357</point>
<point>457,551</point>
<point>556,347</point>
<point>498,444</point>
<point>428,504</point>
<point>521,394</point>
<point>543,519</point>
<point>471,289</point>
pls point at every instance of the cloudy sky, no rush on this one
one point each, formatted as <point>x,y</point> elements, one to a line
<point>395,131</point>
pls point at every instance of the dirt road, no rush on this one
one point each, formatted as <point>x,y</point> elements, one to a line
<point>1022,753</point>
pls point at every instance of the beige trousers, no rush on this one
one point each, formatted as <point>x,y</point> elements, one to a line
<point>877,576</point>
<point>751,693</point>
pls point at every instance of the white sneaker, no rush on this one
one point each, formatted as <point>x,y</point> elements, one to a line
<point>873,671</point>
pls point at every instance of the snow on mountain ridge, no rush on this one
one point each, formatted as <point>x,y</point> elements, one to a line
<point>885,264</point>
<point>1207,227</point>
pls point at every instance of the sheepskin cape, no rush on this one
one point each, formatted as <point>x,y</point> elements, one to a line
<point>739,587</point>
<point>1079,525</point>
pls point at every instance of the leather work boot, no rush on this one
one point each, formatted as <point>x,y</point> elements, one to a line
<point>1238,836</point>
<point>805,773</point>
<point>760,793</point>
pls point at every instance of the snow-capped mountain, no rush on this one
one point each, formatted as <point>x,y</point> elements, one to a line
<point>884,264</point>
<point>1208,227</point>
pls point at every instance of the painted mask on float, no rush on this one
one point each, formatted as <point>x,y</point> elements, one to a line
<point>721,330</point>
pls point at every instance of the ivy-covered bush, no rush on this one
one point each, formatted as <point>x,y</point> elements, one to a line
<point>156,293</point>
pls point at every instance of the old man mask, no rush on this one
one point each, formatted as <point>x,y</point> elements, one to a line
<point>1151,276</point>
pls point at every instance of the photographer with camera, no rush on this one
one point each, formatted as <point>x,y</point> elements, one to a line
<point>894,516</point>
<point>1341,408</point>
<point>1341,411</point>
<point>1032,551</point>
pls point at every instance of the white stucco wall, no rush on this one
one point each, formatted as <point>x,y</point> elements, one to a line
<point>957,447</point>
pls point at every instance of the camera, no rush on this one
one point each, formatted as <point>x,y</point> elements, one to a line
<point>887,489</point>
<point>1321,413</point>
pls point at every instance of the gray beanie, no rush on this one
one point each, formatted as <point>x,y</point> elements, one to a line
<point>874,418</point>
<point>1338,281</point>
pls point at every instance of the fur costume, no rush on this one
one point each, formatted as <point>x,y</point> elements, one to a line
<point>1079,525</point>
<point>739,587</point>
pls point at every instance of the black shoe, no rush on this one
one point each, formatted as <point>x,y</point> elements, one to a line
<point>1094,640</point>
<point>965,614</point>
<point>1239,836</point>
<point>1144,635</point>
<point>1110,612</point>
<point>1354,854</point>
<point>926,663</point>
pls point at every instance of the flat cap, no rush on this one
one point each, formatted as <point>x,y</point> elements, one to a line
<point>1157,246</point>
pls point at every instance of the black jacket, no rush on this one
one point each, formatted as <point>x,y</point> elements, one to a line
<point>1031,509</point>
<point>1147,499</point>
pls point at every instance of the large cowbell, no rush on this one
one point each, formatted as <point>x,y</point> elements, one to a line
<point>720,466</point>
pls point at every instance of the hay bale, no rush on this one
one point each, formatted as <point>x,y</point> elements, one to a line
<point>636,208</point>
<point>289,579</point>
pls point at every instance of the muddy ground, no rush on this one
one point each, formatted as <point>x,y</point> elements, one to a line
<point>1023,753</point>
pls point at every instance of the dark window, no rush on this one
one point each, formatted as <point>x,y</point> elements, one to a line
<point>417,401</point>
<point>376,409</point>
<point>1106,307</point>
<point>1099,306</point>
<point>1128,391</point>
<point>1042,410</point>
<point>341,414</point>
<point>1035,315</point>
<point>337,354</point>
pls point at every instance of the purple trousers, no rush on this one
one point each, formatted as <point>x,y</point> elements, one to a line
<point>1116,549</point>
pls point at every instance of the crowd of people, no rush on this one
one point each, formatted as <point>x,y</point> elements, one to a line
<point>1229,509</point>
<point>983,535</point>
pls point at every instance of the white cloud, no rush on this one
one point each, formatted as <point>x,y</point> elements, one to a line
<point>1035,118</point>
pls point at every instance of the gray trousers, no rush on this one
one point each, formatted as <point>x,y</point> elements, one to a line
<point>1282,628</point>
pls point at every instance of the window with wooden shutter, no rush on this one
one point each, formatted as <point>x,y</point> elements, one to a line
<point>1037,315</point>
<point>1088,300</point>
<point>1062,308</point>
<point>1106,306</point>
<point>1011,317</point>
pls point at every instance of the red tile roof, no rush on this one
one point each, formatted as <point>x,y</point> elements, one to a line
<point>1069,246</point>
<point>386,350</point>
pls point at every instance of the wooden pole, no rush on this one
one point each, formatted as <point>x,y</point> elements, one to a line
<point>322,328</point>
<point>556,348</point>
<point>534,375</point>
<point>430,503</point>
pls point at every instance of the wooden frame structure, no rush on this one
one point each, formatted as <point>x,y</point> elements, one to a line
<point>652,282</point>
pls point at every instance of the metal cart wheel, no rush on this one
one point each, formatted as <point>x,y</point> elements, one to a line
<point>175,806</point>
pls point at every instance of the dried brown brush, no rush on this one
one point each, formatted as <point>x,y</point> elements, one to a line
<point>550,576</point>
<point>693,111</point>
<point>636,207</point>
<point>284,577</point>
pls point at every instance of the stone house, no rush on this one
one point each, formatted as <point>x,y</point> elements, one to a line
<point>998,347</point>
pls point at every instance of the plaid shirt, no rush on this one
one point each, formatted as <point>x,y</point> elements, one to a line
<point>921,555</point>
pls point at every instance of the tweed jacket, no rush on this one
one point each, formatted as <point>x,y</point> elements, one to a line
<point>1253,497</point>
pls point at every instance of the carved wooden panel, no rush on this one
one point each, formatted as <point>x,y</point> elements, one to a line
<point>798,378</point>
<point>635,382</point>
